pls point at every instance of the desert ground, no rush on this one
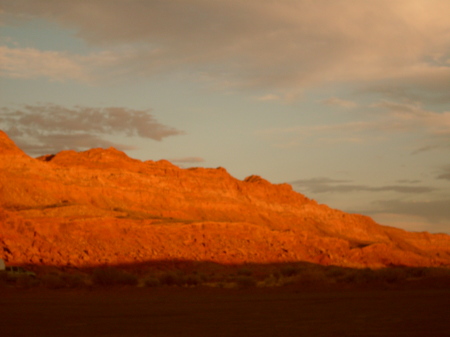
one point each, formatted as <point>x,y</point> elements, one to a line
<point>203,311</point>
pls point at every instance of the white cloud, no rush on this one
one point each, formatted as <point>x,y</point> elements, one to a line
<point>269,97</point>
<point>30,63</point>
<point>283,45</point>
<point>33,63</point>
<point>335,101</point>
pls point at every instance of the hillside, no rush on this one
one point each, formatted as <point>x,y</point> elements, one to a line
<point>100,206</point>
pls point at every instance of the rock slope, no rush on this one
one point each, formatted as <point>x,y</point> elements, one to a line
<point>102,207</point>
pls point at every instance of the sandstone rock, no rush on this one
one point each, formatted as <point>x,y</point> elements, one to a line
<point>100,206</point>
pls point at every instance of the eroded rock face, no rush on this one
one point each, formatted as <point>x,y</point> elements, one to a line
<point>100,206</point>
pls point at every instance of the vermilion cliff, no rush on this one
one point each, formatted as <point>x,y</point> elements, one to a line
<point>100,206</point>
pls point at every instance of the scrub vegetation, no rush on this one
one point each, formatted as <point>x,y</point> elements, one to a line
<point>243,278</point>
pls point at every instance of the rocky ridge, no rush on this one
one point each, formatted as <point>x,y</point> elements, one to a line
<point>101,207</point>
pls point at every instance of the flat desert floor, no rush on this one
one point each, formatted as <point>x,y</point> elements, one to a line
<point>167,312</point>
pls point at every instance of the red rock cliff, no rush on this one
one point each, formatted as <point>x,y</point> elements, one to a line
<point>100,206</point>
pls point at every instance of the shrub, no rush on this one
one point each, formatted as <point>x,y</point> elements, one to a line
<point>244,281</point>
<point>201,276</point>
<point>311,276</point>
<point>417,272</point>
<point>172,278</point>
<point>443,273</point>
<point>382,276</point>
<point>244,272</point>
<point>368,275</point>
<point>335,273</point>
<point>179,278</point>
<point>270,281</point>
<point>151,281</point>
<point>192,280</point>
<point>277,275</point>
<point>392,275</point>
<point>112,276</point>
<point>357,276</point>
<point>74,280</point>
<point>288,271</point>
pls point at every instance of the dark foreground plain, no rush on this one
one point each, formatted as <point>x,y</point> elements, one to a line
<point>167,312</point>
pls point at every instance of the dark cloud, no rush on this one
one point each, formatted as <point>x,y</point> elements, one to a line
<point>188,160</point>
<point>317,185</point>
<point>445,173</point>
<point>410,117</point>
<point>433,211</point>
<point>326,185</point>
<point>50,128</point>
<point>433,147</point>
<point>54,143</point>
<point>414,90</point>
<point>408,181</point>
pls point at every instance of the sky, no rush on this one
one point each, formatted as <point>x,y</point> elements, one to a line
<point>348,101</point>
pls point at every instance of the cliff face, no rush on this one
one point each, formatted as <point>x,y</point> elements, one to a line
<point>100,206</point>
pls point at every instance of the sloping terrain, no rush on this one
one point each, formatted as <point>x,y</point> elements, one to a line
<point>100,206</point>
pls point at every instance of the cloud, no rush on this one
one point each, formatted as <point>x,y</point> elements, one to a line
<point>409,116</point>
<point>268,97</point>
<point>31,63</point>
<point>434,210</point>
<point>54,143</point>
<point>335,101</point>
<point>53,128</point>
<point>413,89</point>
<point>430,215</point>
<point>188,160</point>
<point>412,118</point>
<point>408,181</point>
<point>445,173</point>
<point>376,122</point>
<point>442,144</point>
<point>284,45</point>
<point>409,222</point>
<point>326,185</point>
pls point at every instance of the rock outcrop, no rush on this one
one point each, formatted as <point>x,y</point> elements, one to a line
<point>100,206</point>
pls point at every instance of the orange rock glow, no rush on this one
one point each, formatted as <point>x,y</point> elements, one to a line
<point>100,206</point>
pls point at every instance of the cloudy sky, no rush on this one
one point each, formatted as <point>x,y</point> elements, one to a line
<point>348,101</point>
